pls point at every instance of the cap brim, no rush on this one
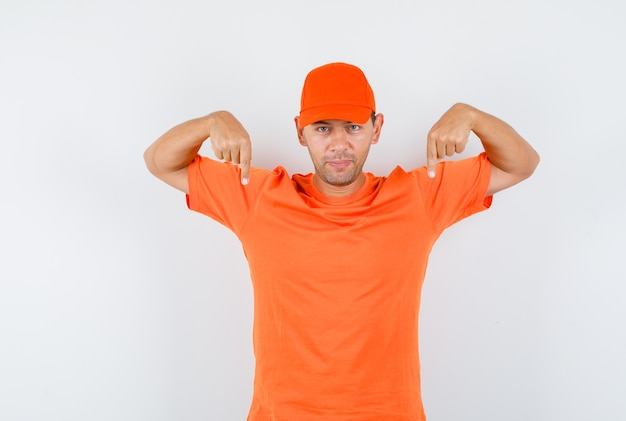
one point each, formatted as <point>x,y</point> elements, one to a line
<point>351,113</point>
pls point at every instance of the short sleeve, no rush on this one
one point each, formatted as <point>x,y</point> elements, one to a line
<point>458,190</point>
<point>215,190</point>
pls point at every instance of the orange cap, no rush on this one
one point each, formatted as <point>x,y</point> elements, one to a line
<point>336,91</point>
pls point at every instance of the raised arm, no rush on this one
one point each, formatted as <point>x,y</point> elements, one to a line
<point>168,158</point>
<point>512,158</point>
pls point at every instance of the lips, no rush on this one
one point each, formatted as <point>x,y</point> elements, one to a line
<point>340,160</point>
<point>341,163</point>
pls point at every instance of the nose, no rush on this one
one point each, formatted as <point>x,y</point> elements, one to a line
<point>338,141</point>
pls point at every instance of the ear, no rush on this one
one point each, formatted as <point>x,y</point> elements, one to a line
<point>378,126</point>
<point>299,130</point>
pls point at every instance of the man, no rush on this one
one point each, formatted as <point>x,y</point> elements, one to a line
<point>337,258</point>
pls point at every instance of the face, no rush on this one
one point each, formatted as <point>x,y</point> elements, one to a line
<point>338,150</point>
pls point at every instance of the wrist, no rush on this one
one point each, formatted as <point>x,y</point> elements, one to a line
<point>470,114</point>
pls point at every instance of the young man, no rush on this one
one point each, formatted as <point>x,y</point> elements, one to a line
<point>337,258</point>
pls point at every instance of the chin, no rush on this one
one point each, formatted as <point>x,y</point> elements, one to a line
<point>340,181</point>
<point>340,178</point>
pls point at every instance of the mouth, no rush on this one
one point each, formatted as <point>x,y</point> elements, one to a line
<point>339,163</point>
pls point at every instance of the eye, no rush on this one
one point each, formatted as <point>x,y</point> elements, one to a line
<point>354,127</point>
<point>322,129</point>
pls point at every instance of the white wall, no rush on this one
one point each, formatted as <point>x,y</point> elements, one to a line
<point>116,303</point>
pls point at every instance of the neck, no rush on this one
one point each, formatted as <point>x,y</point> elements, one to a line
<point>331,190</point>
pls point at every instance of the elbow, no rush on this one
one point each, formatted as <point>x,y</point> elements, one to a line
<point>149,160</point>
<point>529,168</point>
<point>533,162</point>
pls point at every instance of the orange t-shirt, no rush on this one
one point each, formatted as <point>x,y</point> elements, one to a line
<point>337,282</point>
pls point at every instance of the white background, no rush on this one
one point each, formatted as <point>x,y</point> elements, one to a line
<point>117,303</point>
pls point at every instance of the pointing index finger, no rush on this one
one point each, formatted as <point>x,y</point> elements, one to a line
<point>431,156</point>
<point>244,163</point>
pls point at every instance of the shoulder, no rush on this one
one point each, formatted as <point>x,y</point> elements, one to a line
<point>204,165</point>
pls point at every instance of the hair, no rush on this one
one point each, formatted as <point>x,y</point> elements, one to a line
<point>373,117</point>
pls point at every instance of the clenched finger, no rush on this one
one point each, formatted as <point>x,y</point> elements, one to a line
<point>234,156</point>
<point>441,149</point>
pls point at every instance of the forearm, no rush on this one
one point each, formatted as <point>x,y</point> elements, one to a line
<point>168,158</point>
<point>505,148</point>
<point>177,148</point>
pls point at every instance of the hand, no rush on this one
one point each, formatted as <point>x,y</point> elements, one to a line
<point>231,142</point>
<point>449,135</point>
